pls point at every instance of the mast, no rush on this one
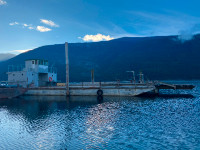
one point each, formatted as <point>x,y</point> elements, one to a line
<point>67,69</point>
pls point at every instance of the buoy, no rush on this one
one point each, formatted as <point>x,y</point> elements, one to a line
<point>99,92</point>
<point>50,79</point>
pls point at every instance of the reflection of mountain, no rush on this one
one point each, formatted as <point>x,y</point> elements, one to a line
<point>158,57</point>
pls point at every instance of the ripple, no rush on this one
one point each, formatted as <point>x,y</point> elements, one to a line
<point>114,123</point>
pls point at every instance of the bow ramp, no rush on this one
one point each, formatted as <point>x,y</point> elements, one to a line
<point>162,85</point>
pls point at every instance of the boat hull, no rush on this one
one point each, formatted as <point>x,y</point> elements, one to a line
<point>92,91</point>
<point>112,91</point>
<point>8,93</point>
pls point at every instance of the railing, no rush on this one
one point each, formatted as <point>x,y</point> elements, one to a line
<point>99,84</point>
<point>42,70</point>
<point>12,68</point>
<point>52,69</point>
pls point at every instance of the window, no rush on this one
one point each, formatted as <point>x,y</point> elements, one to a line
<point>13,74</point>
<point>22,74</point>
<point>32,62</point>
<point>40,62</point>
<point>46,63</point>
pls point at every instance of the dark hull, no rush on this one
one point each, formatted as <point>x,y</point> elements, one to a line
<point>7,93</point>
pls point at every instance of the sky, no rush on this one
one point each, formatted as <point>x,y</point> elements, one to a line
<point>28,24</point>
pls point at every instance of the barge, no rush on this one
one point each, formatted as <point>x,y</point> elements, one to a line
<point>37,78</point>
<point>93,89</point>
<point>11,92</point>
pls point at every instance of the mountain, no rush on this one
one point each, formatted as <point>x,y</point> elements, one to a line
<point>6,56</point>
<point>159,58</point>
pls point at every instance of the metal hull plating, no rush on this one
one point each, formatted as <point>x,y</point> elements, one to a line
<point>122,91</point>
<point>7,93</point>
<point>92,91</point>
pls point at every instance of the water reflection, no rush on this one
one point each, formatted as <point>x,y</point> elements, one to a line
<point>92,123</point>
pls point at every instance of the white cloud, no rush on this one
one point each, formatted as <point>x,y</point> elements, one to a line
<point>31,28</point>
<point>20,51</point>
<point>42,29</point>
<point>49,23</point>
<point>96,38</point>
<point>25,25</point>
<point>13,23</point>
<point>2,2</point>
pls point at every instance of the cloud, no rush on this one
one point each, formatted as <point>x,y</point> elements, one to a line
<point>31,28</point>
<point>42,29</point>
<point>25,25</point>
<point>13,23</point>
<point>49,23</point>
<point>164,24</point>
<point>96,38</point>
<point>2,2</point>
<point>20,51</point>
<point>188,34</point>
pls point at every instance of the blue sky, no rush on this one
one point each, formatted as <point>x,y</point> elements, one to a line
<point>27,24</point>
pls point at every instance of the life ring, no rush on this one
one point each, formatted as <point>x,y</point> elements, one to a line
<point>50,79</point>
<point>99,92</point>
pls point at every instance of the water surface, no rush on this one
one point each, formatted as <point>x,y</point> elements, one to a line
<point>164,122</point>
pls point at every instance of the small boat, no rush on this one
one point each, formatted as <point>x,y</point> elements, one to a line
<point>11,92</point>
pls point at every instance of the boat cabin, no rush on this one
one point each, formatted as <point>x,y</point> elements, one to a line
<point>36,73</point>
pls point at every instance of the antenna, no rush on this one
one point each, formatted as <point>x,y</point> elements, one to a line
<point>141,77</point>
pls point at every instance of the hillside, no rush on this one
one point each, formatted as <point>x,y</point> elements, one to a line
<point>6,56</point>
<point>158,57</point>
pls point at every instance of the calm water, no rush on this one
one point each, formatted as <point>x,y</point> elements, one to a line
<point>165,122</point>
